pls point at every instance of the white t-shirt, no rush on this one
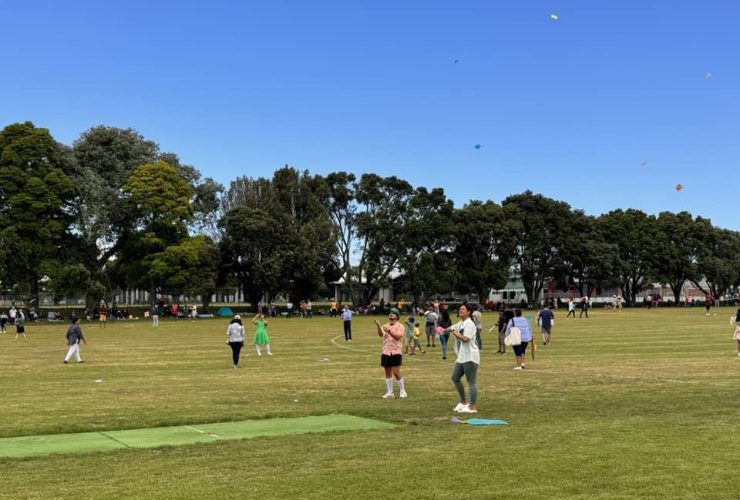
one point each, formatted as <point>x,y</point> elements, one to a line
<point>467,351</point>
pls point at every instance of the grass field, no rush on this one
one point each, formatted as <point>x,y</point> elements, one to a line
<point>637,404</point>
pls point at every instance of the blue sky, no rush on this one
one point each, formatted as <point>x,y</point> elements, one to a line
<point>609,106</point>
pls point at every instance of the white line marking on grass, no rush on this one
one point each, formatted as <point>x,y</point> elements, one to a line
<point>212,434</point>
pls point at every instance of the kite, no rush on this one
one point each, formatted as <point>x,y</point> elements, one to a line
<point>707,75</point>
<point>554,17</point>
<point>477,146</point>
<point>679,187</point>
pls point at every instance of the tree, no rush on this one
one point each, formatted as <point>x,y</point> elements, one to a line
<point>483,249</point>
<point>36,194</point>
<point>382,213</point>
<point>160,201</point>
<point>277,235</point>
<point>252,249</point>
<point>427,235</point>
<point>538,238</point>
<point>685,239</point>
<point>585,258</point>
<point>636,236</point>
<point>719,262</point>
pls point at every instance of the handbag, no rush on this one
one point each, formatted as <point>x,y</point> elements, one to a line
<point>514,337</point>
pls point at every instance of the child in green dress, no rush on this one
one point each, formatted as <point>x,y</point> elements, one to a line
<point>261,338</point>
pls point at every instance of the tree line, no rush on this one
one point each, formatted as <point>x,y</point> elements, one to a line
<point>112,211</point>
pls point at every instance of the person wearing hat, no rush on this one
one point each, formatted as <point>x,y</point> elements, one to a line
<point>391,358</point>
<point>235,335</point>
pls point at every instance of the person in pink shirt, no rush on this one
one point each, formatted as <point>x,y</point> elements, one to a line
<point>391,358</point>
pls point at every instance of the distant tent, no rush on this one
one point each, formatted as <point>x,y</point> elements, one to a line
<point>225,311</point>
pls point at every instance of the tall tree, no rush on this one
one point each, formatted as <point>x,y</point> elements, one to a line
<point>719,263</point>
<point>36,194</point>
<point>383,207</point>
<point>637,238</point>
<point>684,240</point>
<point>292,206</point>
<point>484,247</point>
<point>585,258</point>
<point>538,238</point>
<point>427,236</point>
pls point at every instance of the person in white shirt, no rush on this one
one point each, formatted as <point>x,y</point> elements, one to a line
<point>468,360</point>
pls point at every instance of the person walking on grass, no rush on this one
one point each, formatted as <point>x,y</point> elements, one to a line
<point>546,320</point>
<point>261,337</point>
<point>20,326</point>
<point>74,336</point>
<point>3,322</point>
<point>468,360</point>
<point>347,321</point>
<point>504,317</point>
<point>585,304</point>
<point>391,357</point>
<point>521,349</point>
<point>235,338</point>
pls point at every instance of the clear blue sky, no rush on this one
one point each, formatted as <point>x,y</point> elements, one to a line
<point>609,106</point>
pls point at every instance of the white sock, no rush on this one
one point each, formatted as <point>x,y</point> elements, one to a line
<point>401,385</point>
<point>258,349</point>
<point>389,386</point>
<point>268,348</point>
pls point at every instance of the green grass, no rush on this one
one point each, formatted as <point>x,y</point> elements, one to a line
<point>637,404</point>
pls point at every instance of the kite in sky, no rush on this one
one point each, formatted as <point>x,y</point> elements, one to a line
<point>554,17</point>
<point>679,187</point>
<point>477,146</point>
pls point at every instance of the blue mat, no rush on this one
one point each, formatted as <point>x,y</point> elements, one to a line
<point>480,421</point>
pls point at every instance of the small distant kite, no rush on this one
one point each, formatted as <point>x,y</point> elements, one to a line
<point>707,75</point>
<point>644,163</point>
<point>455,61</point>
<point>554,17</point>
<point>477,146</point>
<point>679,187</point>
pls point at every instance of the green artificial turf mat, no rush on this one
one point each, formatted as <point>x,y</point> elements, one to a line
<point>28,446</point>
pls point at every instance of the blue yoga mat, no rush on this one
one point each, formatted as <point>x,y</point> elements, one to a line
<point>480,421</point>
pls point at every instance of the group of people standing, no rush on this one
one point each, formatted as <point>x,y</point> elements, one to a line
<point>235,336</point>
<point>14,317</point>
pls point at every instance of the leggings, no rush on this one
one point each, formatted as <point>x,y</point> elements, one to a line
<point>236,348</point>
<point>470,370</point>
<point>443,338</point>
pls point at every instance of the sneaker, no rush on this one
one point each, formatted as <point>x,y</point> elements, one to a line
<point>467,409</point>
<point>459,408</point>
<point>65,361</point>
<point>403,395</point>
<point>269,353</point>
<point>518,367</point>
<point>388,395</point>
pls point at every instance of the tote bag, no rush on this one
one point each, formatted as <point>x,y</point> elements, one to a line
<point>515,335</point>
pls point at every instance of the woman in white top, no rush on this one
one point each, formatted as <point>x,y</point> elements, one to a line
<point>235,334</point>
<point>468,359</point>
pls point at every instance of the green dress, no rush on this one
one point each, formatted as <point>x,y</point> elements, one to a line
<point>260,336</point>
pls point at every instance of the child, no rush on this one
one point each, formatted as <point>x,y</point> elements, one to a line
<point>417,338</point>
<point>261,338</point>
<point>408,337</point>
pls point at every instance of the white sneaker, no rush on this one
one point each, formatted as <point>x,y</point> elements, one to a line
<point>460,408</point>
<point>518,367</point>
<point>403,395</point>
<point>388,395</point>
<point>467,409</point>
<point>269,353</point>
